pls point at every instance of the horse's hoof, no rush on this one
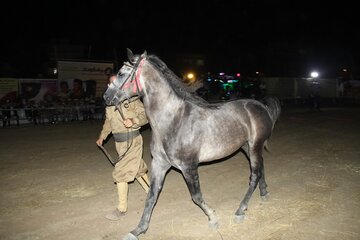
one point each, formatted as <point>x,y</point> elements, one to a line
<point>265,197</point>
<point>130,236</point>
<point>214,224</point>
<point>239,218</point>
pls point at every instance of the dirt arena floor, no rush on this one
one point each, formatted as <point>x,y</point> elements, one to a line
<point>56,184</point>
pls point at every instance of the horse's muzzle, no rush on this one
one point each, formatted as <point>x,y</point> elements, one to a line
<point>114,96</point>
<point>110,97</point>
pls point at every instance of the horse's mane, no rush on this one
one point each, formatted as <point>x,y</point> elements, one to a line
<point>176,83</point>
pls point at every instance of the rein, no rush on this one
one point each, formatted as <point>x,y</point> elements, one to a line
<point>111,160</point>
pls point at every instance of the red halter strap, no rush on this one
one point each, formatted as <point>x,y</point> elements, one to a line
<point>137,86</point>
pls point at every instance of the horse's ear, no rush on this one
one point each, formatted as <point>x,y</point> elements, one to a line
<point>144,54</point>
<point>130,55</point>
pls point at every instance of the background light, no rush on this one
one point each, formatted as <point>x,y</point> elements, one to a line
<point>190,75</point>
<point>314,74</point>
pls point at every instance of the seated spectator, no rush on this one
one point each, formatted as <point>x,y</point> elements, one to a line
<point>9,112</point>
<point>78,91</point>
<point>64,93</point>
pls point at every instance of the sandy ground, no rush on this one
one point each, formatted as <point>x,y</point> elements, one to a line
<point>56,184</point>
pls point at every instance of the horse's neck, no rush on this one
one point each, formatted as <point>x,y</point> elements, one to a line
<point>161,103</point>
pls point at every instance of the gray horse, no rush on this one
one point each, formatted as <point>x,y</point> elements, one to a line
<point>187,130</point>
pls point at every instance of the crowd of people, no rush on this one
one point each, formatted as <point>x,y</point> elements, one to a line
<point>66,106</point>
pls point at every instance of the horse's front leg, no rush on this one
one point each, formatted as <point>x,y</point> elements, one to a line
<point>192,180</point>
<point>159,167</point>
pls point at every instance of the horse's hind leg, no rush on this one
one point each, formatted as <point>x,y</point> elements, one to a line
<point>262,183</point>
<point>192,180</point>
<point>256,166</point>
<point>264,194</point>
<point>158,172</point>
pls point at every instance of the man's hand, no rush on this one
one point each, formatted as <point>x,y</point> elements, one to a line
<point>128,122</point>
<point>99,142</point>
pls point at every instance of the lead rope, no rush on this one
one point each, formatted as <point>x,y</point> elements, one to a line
<point>129,143</point>
<point>126,105</point>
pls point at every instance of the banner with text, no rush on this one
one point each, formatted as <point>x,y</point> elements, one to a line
<point>92,74</point>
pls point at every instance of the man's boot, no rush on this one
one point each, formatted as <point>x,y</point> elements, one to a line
<point>120,211</point>
<point>144,182</point>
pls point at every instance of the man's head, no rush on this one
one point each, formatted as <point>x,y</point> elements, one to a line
<point>77,84</point>
<point>111,78</point>
<point>64,86</point>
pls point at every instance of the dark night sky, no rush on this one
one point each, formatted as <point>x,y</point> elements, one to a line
<point>278,37</point>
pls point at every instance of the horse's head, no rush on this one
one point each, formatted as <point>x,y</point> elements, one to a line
<point>127,81</point>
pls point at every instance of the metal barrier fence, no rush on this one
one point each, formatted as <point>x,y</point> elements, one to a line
<point>49,115</point>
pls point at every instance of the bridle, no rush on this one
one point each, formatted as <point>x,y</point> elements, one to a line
<point>134,75</point>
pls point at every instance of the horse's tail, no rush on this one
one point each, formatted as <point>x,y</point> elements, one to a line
<point>274,107</point>
<point>266,146</point>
